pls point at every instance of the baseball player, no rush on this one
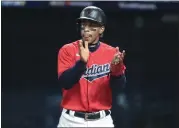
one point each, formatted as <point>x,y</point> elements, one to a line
<point>87,68</point>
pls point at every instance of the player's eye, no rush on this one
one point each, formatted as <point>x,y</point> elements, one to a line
<point>92,25</point>
<point>82,27</point>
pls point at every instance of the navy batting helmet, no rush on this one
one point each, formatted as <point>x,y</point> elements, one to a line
<point>93,13</point>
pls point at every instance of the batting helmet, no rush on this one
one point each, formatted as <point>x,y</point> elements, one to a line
<point>93,13</point>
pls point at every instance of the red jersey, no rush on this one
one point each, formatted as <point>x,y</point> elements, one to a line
<point>92,92</point>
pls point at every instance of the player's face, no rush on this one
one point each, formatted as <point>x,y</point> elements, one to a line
<point>90,31</point>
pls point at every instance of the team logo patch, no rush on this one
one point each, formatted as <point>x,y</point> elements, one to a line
<point>96,71</point>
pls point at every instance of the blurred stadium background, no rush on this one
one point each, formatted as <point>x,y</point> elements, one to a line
<point>33,32</point>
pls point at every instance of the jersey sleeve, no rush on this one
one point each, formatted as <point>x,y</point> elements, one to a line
<point>65,59</point>
<point>69,70</point>
<point>118,76</point>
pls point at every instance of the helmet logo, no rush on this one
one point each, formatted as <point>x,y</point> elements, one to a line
<point>92,14</point>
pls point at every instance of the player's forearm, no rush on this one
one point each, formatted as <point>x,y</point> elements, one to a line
<point>118,81</point>
<point>71,76</point>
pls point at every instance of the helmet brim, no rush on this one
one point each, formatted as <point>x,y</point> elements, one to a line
<point>87,18</point>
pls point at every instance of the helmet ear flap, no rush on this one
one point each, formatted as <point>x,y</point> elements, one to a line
<point>78,29</point>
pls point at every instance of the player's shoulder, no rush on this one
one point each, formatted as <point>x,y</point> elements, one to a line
<point>107,46</point>
<point>70,46</point>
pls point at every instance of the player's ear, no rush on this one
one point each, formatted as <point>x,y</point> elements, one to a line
<point>101,30</point>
